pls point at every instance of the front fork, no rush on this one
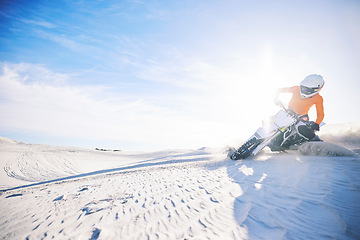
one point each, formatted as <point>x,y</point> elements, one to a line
<point>265,143</point>
<point>267,135</point>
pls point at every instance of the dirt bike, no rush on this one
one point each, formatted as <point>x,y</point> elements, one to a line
<point>279,133</point>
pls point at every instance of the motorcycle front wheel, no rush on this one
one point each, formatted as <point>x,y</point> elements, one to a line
<point>246,149</point>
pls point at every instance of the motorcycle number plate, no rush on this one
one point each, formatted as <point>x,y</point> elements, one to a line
<point>282,119</point>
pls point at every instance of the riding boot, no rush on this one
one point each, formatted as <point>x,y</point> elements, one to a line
<point>316,139</point>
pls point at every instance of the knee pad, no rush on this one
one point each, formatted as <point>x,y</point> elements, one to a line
<point>306,132</point>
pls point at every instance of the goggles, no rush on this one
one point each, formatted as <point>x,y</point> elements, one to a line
<point>308,91</point>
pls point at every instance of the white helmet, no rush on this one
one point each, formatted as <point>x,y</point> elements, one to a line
<point>311,85</point>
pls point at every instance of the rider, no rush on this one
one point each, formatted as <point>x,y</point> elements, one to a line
<point>303,98</point>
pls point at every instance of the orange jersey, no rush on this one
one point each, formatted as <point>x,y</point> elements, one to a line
<point>302,105</point>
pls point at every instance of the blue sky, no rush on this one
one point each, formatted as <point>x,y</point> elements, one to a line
<point>145,75</point>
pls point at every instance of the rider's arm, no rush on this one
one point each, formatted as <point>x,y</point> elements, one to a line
<point>282,90</point>
<point>319,110</point>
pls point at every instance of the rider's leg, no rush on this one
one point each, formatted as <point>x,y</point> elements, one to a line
<point>305,131</point>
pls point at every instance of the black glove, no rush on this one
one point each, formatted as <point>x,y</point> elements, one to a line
<point>315,127</point>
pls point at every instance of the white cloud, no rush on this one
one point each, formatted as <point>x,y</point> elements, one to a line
<point>90,112</point>
<point>38,23</point>
<point>61,39</point>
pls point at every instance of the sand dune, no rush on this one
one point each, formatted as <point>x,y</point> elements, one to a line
<point>70,193</point>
